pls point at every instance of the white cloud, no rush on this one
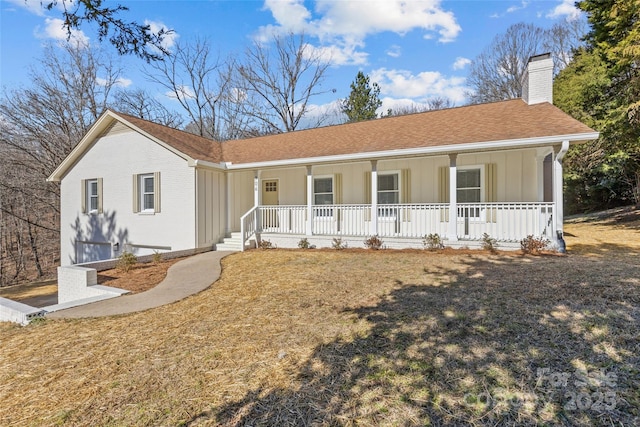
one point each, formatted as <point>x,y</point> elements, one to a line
<point>120,81</point>
<point>323,115</point>
<point>420,87</point>
<point>346,24</point>
<point>169,39</point>
<point>566,9</point>
<point>185,92</point>
<point>461,62</point>
<point>511,9</point>
<point>339,55</point>
<point>394,51</point>
<point>34,6</point>
<point>54,29</point>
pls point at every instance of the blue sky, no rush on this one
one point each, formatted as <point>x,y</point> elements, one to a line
<point>415,50</point>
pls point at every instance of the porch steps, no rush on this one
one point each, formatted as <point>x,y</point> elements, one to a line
<point>232,243</point>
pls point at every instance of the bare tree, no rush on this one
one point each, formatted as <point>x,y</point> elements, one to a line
<point>277,81</point>
<point>140,103</point>
<point>563,40</point>
<point>197,81</point>
<point>437,103</point>
<point>496,74</point>
<point>39,126</point>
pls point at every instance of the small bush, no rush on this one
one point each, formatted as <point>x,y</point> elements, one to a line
<point>126,261</point>
<point>489,243</point>
<point>304,244</point>
<point>432,242</point>
<point>373,242</point>
<point>338,244</point>
<point>157,257</point>
<point>533,245</point>
<point>266,244</point>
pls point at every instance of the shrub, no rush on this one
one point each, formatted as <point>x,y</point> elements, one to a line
<point>266,244</point>
<point>304,244</point>
<point>157,257</point>
<point>338,244</point>
<point>126,261</point>
<point>489,243</point>
<point>533,245</point>
<point>373,242</point>
<point>432,242</point>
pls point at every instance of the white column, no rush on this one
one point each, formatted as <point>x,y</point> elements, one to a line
<point>256,200</point>
<point>256,188</point>
<point>558,199</point>
<point>374,197</point>
<point>227,197</point>
<point>452,231</point>
<point>309,201</point>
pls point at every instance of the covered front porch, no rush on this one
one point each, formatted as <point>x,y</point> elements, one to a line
<point>507,195</point>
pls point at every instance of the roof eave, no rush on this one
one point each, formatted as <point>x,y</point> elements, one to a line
<point>421,151</point>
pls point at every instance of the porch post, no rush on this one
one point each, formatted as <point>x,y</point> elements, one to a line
<point>309,228</point>
<point>256,188</point>
<point>227,197</point>
<point>452,231</point>
<point>558,198</point>
<point>374,197</point>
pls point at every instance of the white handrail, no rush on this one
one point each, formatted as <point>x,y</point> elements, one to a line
<point>248,225</point>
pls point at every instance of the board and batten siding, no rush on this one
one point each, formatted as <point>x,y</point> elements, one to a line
<point>115,157</point>
<point>210,207</point>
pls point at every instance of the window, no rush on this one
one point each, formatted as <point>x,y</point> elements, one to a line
<point>388,189</point>
<point>271,186</point>
<point>146,193</point>
<point>469,190</point>
<point>92,195</point>
<point>388,194</point>
<point>323,195</point>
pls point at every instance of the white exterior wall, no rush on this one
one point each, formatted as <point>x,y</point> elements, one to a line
<point>211,206</point>
<point>115,158</point>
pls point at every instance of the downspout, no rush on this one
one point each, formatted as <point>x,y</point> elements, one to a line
<point>559,199</point>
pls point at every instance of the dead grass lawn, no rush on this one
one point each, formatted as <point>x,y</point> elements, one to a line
<point>351,337</point>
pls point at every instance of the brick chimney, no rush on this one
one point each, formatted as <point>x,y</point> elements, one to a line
<point>537,85</point>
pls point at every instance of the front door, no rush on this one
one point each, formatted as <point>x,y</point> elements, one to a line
<point>270,198</point>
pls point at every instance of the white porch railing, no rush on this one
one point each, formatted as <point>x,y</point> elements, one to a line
<point>502,221</point>
<point>507,222</point>
<point>249,225</point>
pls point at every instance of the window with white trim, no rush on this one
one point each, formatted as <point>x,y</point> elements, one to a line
<point>469,189</point>
<point>323,195</point>
<point>469,185</point>
<point>92,195</point>
<point>147,193</point>
<point>388,188</point>
<point>388,193</point>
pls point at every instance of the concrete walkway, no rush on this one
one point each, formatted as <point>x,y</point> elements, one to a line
<point>184,278</point>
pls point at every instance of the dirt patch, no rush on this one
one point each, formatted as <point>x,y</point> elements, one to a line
<point>140,278</point>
